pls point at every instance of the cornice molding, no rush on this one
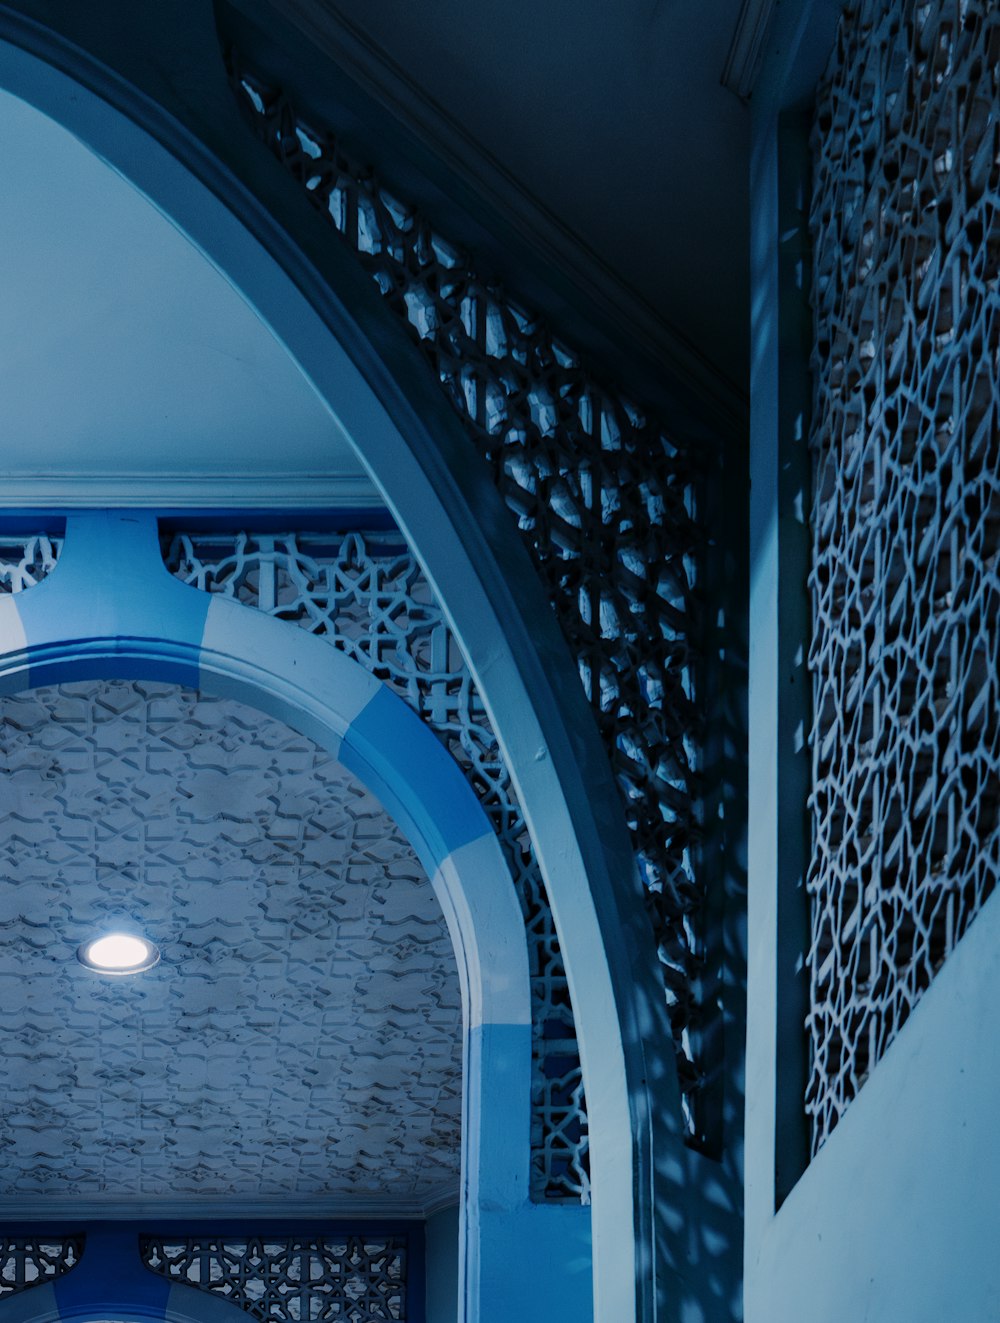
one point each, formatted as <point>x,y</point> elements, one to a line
<point>95,1209</point>
<point>217,491</point>
<point>621,310</point>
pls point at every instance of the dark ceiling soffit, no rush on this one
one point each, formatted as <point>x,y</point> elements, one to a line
<point>746,51</point>
<point>333,72</point>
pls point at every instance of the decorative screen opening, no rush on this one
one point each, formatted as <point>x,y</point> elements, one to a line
<point>367,596</point>
<point>27,1263</point>
<point>906,521</point>
<point>606,503</point>
<point>348,1278</point>
<point>25,561</point>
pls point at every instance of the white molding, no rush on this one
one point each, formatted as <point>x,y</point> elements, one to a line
<point>87,490</point>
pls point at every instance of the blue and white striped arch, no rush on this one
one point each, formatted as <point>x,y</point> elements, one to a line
<point>146,90</point>
<point>110,609</point>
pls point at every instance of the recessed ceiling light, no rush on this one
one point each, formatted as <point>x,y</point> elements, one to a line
<point>118,953</point>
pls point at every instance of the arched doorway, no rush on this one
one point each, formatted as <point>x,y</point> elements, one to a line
<point>182,151</point>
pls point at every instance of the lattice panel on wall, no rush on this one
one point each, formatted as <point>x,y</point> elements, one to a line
<point>24,561</point>
<point>349,1278</point>
<point>367,595</point>
<point>604,499</point>
<point>27,1263</point>
<point>906,520</point>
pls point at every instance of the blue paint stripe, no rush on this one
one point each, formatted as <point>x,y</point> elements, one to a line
<point>387,746</point>
<point>110,1277</point>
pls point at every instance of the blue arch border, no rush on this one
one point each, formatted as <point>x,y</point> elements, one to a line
<point>146,90</point>
<point>135,621</point>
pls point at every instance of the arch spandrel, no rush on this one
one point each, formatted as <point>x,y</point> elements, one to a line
<point>148,93</point>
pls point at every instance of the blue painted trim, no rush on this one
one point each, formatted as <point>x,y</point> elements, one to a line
<point>113,625</point>
<point>143,622</point>
<point>145,89</point>
<point>110,1280</point>
<point>385,748</point>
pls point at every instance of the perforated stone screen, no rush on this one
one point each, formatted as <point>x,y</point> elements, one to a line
<point>906,520</point>
<point>25,1262</point>
<point>606,502</point>
<point>367,596</point>
<point>354,1278</point>
<point>26,560</point>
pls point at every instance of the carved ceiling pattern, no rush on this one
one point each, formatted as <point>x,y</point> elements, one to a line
<point>350,1278</point>
<point>906,521</point>
<point>603,498</point>
<point>301,1034</point>
<point>368,597</point>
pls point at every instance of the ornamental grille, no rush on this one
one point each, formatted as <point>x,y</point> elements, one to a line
<point>353,1279</point>
<point>27,1263</point>
<point>604,500</point>
<point>367,595</point>
<point>24,561</point>
<point>906,521</point>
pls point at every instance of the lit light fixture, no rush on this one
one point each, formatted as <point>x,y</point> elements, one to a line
<point>118,953</point>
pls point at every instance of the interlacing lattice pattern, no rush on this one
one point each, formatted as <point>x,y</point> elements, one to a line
<point>368,597</point>
<point>906,520</point>
<point>604,500</point>
<point>350,1278</point>
<point>27,1263</point>
<point>26,560</point>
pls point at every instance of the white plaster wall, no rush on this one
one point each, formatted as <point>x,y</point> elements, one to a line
<point>896,1219</point>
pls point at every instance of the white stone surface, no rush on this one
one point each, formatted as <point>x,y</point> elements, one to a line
<point>301,1035</point>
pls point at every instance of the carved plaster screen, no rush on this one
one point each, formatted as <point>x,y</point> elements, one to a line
<point>359,1278</point>
<point>605,501</point>
<point>365,593</point>
<point>24,561</point>
<point>25,1263</point>
<point>906,521</point>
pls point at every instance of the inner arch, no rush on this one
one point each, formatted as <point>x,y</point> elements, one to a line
<point>300,1038</point>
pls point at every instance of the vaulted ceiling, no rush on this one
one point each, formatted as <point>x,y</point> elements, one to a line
<point>299,1039</point>
<point>131,372</point>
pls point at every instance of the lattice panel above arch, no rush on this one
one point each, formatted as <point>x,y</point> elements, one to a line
<point>906,521</point>
<point>360,1278</point>
<point>603,497</point>
<point>366,594</point>
<point>25,1263</point>
<point>25,561</point>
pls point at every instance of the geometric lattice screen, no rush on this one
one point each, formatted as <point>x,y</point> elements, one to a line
<point>368,597</point>
<point>24,561</point>
<point>25,1263</point>
<point>904,583</point>
<point>358,1278</point>
<point>605,504</point>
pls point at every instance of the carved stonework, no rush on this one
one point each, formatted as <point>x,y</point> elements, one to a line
<point>355,1278</point>
<point>604,500</point>
<point>906,521</point>
<point>26,1263</point>
<point>367,596</point>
